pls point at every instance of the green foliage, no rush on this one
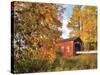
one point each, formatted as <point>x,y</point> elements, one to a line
<point>79,62</point>
<point>31,65</point>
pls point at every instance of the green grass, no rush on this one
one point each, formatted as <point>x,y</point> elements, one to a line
<point>78,62</point>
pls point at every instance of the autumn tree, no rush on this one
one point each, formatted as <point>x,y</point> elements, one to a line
<point>74,23</point>
<point>35,30</point>
<point>83,24</point>
<point>89,22</point>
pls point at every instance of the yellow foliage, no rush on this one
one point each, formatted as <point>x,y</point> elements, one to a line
<point>48,55</point>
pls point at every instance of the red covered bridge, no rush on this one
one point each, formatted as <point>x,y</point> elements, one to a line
<point>69,46</point>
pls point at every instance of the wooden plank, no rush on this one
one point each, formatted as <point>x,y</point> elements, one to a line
<point>86,52</point>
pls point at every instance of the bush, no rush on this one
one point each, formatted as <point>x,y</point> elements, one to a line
<point>33,61</point>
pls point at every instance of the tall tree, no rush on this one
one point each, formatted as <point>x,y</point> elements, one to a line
<point>89,22</point>
<point>84,24</point>
<point>74,23</point>
<point>35,30</point>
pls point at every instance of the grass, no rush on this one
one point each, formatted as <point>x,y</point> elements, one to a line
<point>78,62</point>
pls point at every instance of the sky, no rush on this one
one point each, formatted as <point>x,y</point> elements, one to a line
<point>66,17</point>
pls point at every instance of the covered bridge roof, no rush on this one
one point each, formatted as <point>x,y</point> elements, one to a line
<point>69,39</point>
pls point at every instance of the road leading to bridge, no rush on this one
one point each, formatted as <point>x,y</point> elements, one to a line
<point>87,52</point>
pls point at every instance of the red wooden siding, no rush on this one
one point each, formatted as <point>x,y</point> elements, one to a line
<point>69,47</point>
<point>66,48</point>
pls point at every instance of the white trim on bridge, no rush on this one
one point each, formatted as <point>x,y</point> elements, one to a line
<point>86,52</point>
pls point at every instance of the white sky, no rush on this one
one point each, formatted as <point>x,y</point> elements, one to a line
<point>65,30</point>
<point>66,17</point>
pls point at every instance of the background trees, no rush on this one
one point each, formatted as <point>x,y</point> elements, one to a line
<point>83,24</point>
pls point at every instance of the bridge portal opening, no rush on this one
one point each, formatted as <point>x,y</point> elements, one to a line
<point>78,46</point>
